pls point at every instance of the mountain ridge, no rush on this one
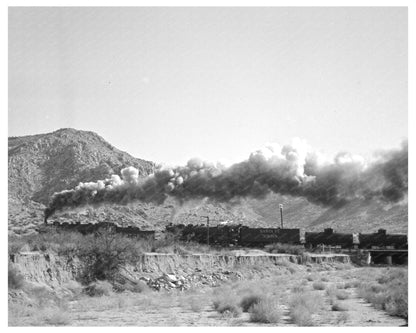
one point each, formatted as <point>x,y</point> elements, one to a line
<point>42,164</point>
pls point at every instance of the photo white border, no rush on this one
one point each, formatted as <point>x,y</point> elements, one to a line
<point>227,3</point>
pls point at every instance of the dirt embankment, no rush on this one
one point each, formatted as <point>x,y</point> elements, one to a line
<point>165,271</point>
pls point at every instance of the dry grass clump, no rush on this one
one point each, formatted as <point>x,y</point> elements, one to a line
<point>298,289</point>
<point>303,306</point>
<point>301,316</point>
<point>193,300</point>
<point>348,284</point>
<point>319,285</point>
<point>56,317</point>
<point>334,293</point>
<point>265,311</point>
<point>342,317</point>
<point>342,295</point>
<point>389,292</point>
<point>41,307</point>
<point>249,300</point>
<point>99,288</point>
<point>227,307</point>
<point>311,277</point>
<point>338,307</point>
<point>138,287</point>
<point>74,287</point>
<point>16,280</point>
<point>196,303</point>
<point>227,303</point>
<point>24,315</point>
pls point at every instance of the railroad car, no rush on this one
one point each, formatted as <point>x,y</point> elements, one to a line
<point>257,236</point>
<point>329,238</point>
<point>289,236</point>
<point>381,239</point>
<point>264,236</point>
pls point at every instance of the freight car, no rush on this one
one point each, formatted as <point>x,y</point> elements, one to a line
<point>329,238</point>
<point>221,235</point>
<point>382,240</point>
<point>264,236</point>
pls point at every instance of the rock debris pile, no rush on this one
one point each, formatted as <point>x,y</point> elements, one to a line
<point>197,279</point>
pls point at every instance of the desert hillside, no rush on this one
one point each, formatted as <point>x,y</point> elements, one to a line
<point>40,165</point>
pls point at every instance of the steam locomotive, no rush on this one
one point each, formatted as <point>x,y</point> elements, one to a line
<point>89,228</point>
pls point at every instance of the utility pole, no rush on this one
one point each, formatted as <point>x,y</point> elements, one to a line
<point>281,215</point>
<point>207,217</point>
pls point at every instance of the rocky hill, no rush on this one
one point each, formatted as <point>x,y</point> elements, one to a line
<point>40,165</point>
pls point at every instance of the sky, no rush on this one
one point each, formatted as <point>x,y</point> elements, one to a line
<point>168,84</point>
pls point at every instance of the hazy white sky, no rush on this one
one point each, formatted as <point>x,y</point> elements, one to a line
<point>167,84</point>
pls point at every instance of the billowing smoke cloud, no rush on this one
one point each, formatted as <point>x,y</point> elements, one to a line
<point>291,169</point>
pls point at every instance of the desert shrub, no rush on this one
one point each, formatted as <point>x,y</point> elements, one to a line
<point>74,287</point>
<point>249,300</point>
<point>394,300</point>
<point>310,278</point>
<point>348,284</point>
<point>335,293</point>
<point>104,253</point>
<point>341,295</point>
<point>324,279</point>
<point>15,244</point>
<point>301,316</point>
<point>228,307</point>
<point>16,280</point>
<point>298,289</point>
<point>397,305</point>
<point>391,276</point>
<point>302,306</point>
<point>265,311</point>
<point>318,285</point>
<point>19,310</point>
<point>338,307</point>
<point>195,303</point>
<point>99,288</point>
<point>57,317</point>
<point>139,287</point>
<point>389,293</point>
<point>38,315</point>
<point>225,301</point>
<point>342,317</point>
<point>43,297</point>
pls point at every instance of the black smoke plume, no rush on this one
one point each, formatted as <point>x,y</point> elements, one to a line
<point>292,170</point>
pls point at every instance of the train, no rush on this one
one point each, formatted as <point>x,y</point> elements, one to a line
<point>239,235</point>
<point>259,237</point>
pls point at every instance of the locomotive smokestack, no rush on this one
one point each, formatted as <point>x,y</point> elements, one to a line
<point>281,215</point>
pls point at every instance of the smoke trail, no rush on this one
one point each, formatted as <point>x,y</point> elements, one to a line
<point>292,169</point>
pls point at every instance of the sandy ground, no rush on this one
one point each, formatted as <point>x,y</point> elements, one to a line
<point>195,308</point>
